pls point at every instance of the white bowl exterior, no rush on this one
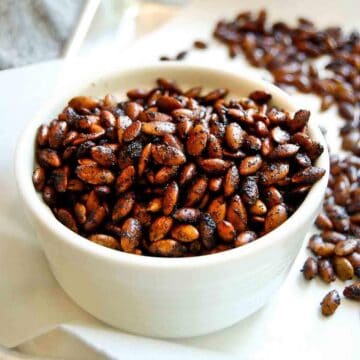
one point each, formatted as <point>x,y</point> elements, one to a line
<point>167,297</point>
<point>169,302</point>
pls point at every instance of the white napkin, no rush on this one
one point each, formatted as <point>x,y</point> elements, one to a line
<point>31,301</point>
<point>97,341</point>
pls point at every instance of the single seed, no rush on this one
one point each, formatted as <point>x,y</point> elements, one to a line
<point>330,303</point>
<point>343,268</point>
<point>105,240</point>
<point>346,247</point>
<point>185,233</point>
<point>244,238</point>
<point>352,291</point>
<point>250,165</point>
<point>326,271</point>
<point>160,228</point>
<point>225,230</point>
<point>310,268</point>
<point>170,198</point>
<point>275,217</point>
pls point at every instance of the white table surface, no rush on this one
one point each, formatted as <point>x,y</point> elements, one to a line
<point>290,326</point>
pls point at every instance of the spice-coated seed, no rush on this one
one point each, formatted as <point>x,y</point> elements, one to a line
<point>310,268</point>
<point>352,291</point>
<point>330,303</point>
<point>326,270</point>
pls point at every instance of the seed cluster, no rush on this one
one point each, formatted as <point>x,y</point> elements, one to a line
<point>175,173</point>
<point>337,247</point>
<point>288,53</point>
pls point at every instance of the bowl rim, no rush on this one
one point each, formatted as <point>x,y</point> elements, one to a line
<point>41,211</point>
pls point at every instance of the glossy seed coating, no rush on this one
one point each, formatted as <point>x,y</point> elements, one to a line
<point>352,291</point>
<point>326,271</point>
<point>105,240</point>
<point>310,268</point>
<point>171,173</point>
<point>160,227</point>
<point>330,303</point>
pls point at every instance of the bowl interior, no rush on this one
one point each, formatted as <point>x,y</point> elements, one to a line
<point>118,83</point>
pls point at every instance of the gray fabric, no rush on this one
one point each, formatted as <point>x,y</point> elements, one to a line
<point>35,30</point>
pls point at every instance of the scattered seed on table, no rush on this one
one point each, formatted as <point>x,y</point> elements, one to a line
<point>330,303</point>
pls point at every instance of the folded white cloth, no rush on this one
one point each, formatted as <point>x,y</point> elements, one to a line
<point>36,30</point>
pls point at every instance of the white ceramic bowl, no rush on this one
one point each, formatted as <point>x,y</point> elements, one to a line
<point>164,297</point>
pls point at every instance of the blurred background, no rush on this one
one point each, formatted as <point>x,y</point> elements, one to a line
<point>32,31</point>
